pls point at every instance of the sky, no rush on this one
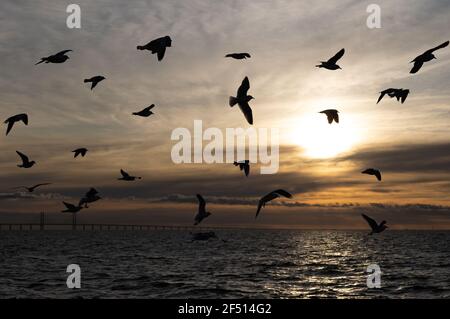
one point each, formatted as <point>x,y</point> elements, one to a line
<point>320,164</point>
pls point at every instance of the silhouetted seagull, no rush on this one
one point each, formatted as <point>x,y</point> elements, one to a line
<point>331,115</point>
<point>145,112</point>
<point>59,57</point>
<point>90,197</point>
<point>425,57</point>
<point>400,94</point>
<point>202,213</point>
<point>238,56</point>
<point>94,80</point>
<point>272,195</point>
<point>16,118</point>
<point>70,208</point>
<point>372,171</point>
<point>31,189</point>
<point>242,100</point>
<point>127,177</point>
<point>80,151</point>
<point>331,63</point>
<point>374,225</point>
<point>243,165</point>
<point>157,46</point>
<point>26,163</point>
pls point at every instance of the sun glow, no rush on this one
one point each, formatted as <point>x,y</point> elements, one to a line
<point>322,140</point>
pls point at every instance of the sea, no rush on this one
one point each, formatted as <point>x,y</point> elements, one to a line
<point>236,264</point>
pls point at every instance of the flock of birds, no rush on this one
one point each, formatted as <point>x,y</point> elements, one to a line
<point>242,99</point>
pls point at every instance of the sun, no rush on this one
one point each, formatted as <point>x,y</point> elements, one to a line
<point>319,139</point>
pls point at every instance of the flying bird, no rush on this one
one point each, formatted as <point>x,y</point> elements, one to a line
<point>31,189</point>
<point>94,80</point>
<point>331,115</point>
<point>399,94</point>
<point>90,197</point>
<point>157,46</point>
<point>243,165</point>
<point>331,63</point>
<point>26,163</point>
<point>242,100</point>
<point>425,57</point>
<point>127,177</point>
<point>59,57</point>
<point>372,171</point>
<point>202,213</point>
<point>145,112</point>
<point>80,151</point>
<point>238,56</point>
<point>70,208</point>
<point>272,195</point>
<point>16,118</point>
<point>374,225</point>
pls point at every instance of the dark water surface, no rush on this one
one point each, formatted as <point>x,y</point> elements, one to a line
<point>240,264</point>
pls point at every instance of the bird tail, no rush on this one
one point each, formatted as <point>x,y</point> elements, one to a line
<point>233,101</point>
<point>40,62</point>
<point>140,47</point>
<point>86,80</point>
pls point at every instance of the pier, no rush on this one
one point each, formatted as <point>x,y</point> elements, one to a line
<point>43,225</point>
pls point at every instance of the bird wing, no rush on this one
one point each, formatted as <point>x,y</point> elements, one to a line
<point>372,223</point>
<point>336,117</point>
<point>92,192</point>
<point>264,200</point>
<point>201,204</point>
<point>23,157</point>
<point>124,174</point>
<point>329,117</point>
<point>283,193</point>
<point>10,126</point>
<point>62,52</point>
<point>382,94</point>
<point>151,106</point>
<point>94,84</point>
<point>417,65</point>
<point>377,173</point>
<point>69,206</point>
<point>404,95</point>
<point>336,57</point>
<point>23,117</point>
<point>245,86</point>
<point>440,46</point>
<point>245,108</point>
<point>260,204</point>
<point>161,52</point>
<point>42,184</point>
<point>42,60</point>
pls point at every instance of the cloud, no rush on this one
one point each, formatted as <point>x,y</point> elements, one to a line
<point>416,158</point>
